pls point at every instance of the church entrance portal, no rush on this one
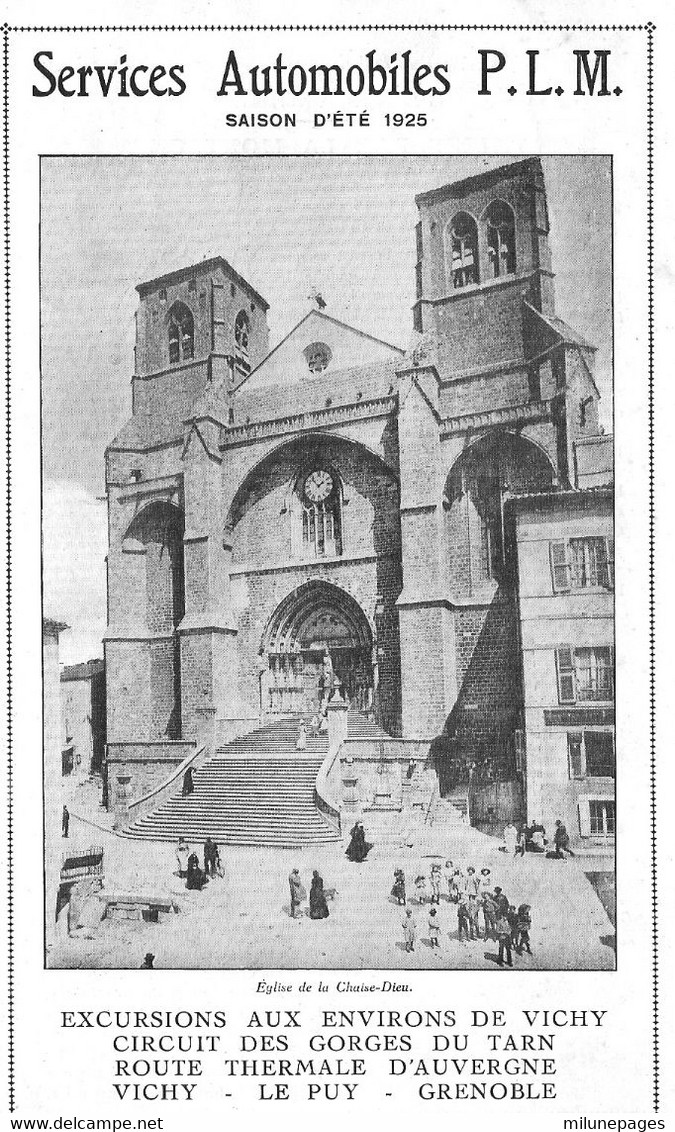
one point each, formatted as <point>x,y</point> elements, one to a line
<point>315,619</point>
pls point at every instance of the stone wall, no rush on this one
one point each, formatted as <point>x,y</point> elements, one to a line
<point>147,764</point>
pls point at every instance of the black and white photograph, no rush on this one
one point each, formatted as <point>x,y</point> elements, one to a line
<point>328,562</point>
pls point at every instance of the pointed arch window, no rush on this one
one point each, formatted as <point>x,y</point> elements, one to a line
<point>501,239</point>
<point>242,332</point>
<point>181,334</point>
<point>463,250</point>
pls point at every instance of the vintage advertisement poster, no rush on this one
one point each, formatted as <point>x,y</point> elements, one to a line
<point>337,472</point>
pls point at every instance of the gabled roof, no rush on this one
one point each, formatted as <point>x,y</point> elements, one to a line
<point>317,314</point>
<point>181,273</point>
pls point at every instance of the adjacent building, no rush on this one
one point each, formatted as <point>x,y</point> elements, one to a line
<point>83,706</point>
<point>565,543</point>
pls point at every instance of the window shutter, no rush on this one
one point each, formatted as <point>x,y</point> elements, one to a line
<point>610,563</point>
<point>584,817</point>
<point>564,660</point>
<point>560,566</point>
<point>574,740</point>
<point>601,562</point>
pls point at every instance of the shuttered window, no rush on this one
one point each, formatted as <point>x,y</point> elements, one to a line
<point>591,754</point>
<point>582,563</point>
<point>602,817</point>
<point>565,667</point>
<point>585,675</point>
<point>560,566</point>
<point>575,754</point>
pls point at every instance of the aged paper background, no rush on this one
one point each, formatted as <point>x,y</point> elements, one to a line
<point>622,1069</point>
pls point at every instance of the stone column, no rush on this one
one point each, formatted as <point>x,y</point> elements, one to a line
<point>426,623</point>
<point>122,799</point>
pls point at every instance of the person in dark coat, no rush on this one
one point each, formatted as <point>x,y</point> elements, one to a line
<point>318,908</point>
<point>358,848</point>
<point>148,962</point>
<point>503,930</point>
<point>65,821</point>
<point>196,877</point>
<point>210,857</point>
<point>188,782</point>
<point>561,840</point>
<point>502,902</point>
<point>524,925</point>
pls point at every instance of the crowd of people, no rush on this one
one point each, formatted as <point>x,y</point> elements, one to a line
<point>483,911</point>
<point>482,908</point>
<point>522,839</point>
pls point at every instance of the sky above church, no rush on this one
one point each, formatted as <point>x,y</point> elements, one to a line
<point>344,225</point>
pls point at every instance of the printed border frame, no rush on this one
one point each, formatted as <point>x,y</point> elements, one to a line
<point>649,28</point>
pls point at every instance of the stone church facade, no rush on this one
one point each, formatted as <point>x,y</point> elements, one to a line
<point>337,493</point>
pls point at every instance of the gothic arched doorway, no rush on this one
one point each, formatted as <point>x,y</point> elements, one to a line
<point>314,618</point>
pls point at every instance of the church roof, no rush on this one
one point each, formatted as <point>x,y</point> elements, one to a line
<point>264,403</point>
<point>205,265</point>
<point>331,388</point>
<point>144,431</point>
<point>560,328</point>
<point>480,180</point>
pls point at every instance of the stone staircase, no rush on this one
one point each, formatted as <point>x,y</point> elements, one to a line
<point>360,727</point>
<point>449,811</point>
<point>257,790</point>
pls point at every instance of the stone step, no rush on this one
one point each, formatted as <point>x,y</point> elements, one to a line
<point>256,790</point>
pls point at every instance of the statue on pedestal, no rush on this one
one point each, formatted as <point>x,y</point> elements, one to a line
<point>326,680</point>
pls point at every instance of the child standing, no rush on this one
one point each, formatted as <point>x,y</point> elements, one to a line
<point>524,925</point>
<point>409,931</point>
<point>512,917</point>
<point>398,891</point>
<point>472,882</point>
<point>434,928</point>
<point>489,915</point>
<point>463,916</point>
<point>455,885</point>
<point>474,933</point>
<point>436,883</point>
<point>421,888</point>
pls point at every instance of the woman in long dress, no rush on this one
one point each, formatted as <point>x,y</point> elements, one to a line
<point>318,908</point>
<point>301,741</point>
<point>182,854</point>
<point>510,839</point>
<point>196,877</point>
<point>188,782</point>
<point>358,848</point>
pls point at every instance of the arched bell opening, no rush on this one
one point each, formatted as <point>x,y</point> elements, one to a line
<point>316,636</point>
